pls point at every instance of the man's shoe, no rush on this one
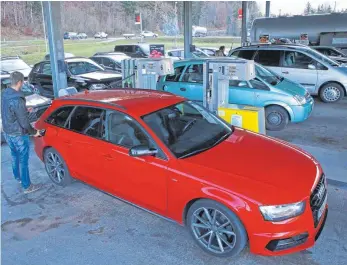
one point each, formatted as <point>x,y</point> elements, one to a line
<point>32,188</point>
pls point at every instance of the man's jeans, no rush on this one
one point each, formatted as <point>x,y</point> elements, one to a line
<point>19,146</point>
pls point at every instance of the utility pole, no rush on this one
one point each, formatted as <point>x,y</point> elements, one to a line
<point>244,23</point>
<point>52,16</point>
<point>188,38</point>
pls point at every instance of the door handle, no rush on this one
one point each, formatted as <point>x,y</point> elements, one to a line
<point>285,72</point>
<point>183,89</point>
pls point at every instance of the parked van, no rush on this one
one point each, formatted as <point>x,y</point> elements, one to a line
<point>319,74</point>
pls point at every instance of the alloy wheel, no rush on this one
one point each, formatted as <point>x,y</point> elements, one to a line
<point>55,167</point>
<point>213,230</point>
<point>331,93</point>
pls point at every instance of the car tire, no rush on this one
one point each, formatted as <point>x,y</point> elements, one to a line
<point>219,240</point>
<point>56,167</point>
<point>276,118</point>
<point>331,93</point>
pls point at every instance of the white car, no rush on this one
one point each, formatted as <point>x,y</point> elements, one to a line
<point>178,54</point>
<point>11,64</point>
<point>148,34</point>
<point>100,35</point>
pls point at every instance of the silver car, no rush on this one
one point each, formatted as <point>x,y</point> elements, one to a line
<point>319,74</point>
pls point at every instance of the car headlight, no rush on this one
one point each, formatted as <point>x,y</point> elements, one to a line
<point>97,86</point>
<point>278,213</point>
<point>300,99</point>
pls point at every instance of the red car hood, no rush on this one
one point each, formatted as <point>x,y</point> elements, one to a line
<point>259,167</point>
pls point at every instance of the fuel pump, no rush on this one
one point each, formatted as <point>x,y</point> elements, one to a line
<point>216,85</point>
<point>144,73</point>
<point>150,69</point>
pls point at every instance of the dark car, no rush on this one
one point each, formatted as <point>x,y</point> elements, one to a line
<point>140,50</point>
<point>332,53</point>
<point>82,73</point>
<point>110,60</point>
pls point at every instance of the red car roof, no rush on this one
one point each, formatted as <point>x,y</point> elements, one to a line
<point>135,101</point>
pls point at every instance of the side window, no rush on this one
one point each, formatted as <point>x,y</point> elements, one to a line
<point>193,74</point>
<point>123,130</point>
<point>128,49</point>
<point>235,53</point>
<point>97,60</point>
<point>257,84</point>
<point>119,48</point>
<point>108,62</point>
<point>175,77</point>
<point>36,69</point>
<point>88,121</point>
<point>175,54</point>
<point>46,69</point>
<point>59,116</point>
<point>268,58</point>
<point>238,84</point>
<point>332,53</point>
<point>297,60</point>
<point>246,54</point>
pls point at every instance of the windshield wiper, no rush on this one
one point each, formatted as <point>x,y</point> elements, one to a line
<point>209,147</point>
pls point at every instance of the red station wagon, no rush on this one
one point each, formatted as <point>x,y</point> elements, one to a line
<point>170,156</point>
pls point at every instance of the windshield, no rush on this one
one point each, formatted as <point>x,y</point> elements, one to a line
<point>83,67</point>
<point>13,65</point>
<point>145,49</point>
<point>180,127</point>
<point>321,57</point>
<point>267,75</point>
<point>199,54</point>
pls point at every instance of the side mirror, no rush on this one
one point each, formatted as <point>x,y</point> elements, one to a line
<point>142,150</point>
<point>311,67</point>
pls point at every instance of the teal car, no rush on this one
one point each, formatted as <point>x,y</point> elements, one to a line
<point>284,101</point>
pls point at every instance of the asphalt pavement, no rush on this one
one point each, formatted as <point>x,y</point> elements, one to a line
<point>80,225</point>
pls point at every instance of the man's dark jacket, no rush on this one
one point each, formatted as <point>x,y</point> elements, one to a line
<point>14,114</point>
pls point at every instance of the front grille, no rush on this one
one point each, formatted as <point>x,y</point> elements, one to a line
<point>317,198</point>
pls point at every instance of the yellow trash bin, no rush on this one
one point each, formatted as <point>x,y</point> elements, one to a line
<point>247,117</point>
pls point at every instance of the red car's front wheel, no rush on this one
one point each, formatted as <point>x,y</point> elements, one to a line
<point>216,229</point>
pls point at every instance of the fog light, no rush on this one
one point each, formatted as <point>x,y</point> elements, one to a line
<point>286,243</point>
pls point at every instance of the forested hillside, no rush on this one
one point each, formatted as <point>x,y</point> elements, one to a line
<point>25,18</point>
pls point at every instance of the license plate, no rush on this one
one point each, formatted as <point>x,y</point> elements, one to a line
<point>322,208</point>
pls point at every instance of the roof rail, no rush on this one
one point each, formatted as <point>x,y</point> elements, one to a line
<point>94,101</point>
<point>109,53</point>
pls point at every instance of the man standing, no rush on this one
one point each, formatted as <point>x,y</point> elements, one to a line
<point>17,128</point>
<point>220,52</point>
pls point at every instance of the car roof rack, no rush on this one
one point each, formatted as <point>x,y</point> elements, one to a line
<point>10,57</point>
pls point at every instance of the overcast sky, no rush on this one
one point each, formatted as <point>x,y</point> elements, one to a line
<point>296,7</point>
